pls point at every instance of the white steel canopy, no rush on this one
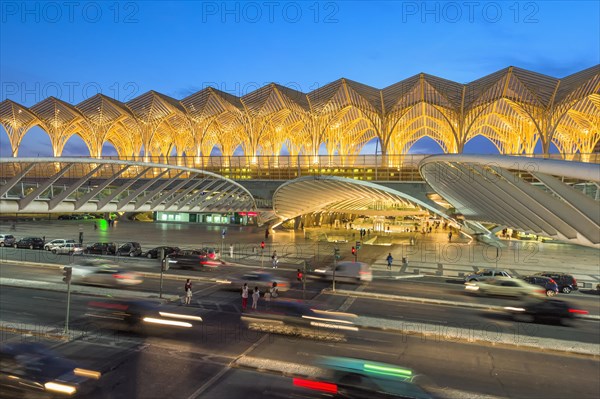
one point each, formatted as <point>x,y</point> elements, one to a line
<point>553,198</point>
<point>337,194</point>
<point>96,185</point>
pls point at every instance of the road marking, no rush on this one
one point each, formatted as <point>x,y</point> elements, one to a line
<point>350,300</point>
<point>215,378</point>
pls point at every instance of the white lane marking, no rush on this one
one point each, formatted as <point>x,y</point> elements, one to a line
<point>214,379</point>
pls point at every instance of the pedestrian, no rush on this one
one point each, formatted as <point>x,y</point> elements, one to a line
<point>389,261</point>
<point>450,237</point>
<point>255,298</point>
<point>299,275</point>
<point>188,292</point>
<point>274,290</point>
<point>231,251</point>
<point>266,233</point>
<point>244,297</point>
<point>275,259</point>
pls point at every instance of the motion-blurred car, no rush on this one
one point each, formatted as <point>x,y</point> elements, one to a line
<point>130,249</point>
<point>191,259</point>
<point>487,275</point>
<point>69,248</point>
<point>552,310</point>
<point>347,271</point>
<point>101,248</point>
<point>282,314</point>
<point>30,242</point>
<point>505,286</point>
<point>566,283</point>
<point>7,240</point>
<point>262,280</point>
<point>28,369</point>
<point>65,217</point>
<point>210,253</point>
<point>549,285</point>
<point>141,315</point>
<point>103,272</point>
<point>154,253</point>
<point>56,243</point>
<point>356,378</point>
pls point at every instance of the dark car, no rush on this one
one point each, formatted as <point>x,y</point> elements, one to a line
<point>190,259</point>
<point>31,369</point>
<point>154,253</point>
<point>65,217</point>
<point>566,283</point>
<point>554,310</point>
<point>30,242</point>
<point>7,240</point>
<point>101,248</point>
<point>130,249</point>
<point>140,315</point>
<point>546,282</point>
<point>294,317</point>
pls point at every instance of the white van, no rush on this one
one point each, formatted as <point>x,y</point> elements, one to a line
<point>347,271</point>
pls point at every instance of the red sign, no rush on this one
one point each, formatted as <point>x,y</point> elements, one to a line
<point>247,213</point>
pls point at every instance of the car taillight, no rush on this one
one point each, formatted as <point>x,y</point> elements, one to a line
<point>574,281</point>
<point>316,385</point>
<point>578,311</point>
<point>552,281</point>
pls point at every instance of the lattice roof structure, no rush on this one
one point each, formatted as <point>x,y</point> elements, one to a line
<point>514,108</point>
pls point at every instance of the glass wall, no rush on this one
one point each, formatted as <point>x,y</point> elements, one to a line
<point>241,218</point>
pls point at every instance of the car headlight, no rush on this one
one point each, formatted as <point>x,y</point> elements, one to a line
<point>60,388</point>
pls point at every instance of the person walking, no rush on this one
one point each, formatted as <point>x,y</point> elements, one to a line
<point>389,261</point>
<point>188,292</point>
<point>255,298</point>
<point>244,297</point>
<point>231,251</point>
<point>450,237</point>
<point>275,259</point>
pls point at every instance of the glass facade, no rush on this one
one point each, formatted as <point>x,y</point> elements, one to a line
<point>240,218</point>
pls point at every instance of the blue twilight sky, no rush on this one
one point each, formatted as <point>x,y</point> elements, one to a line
<point>72,50</point>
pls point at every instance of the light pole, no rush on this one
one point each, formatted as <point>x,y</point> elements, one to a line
<point>67,273</point>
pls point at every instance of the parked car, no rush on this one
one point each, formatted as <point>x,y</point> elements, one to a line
<point>30,242</point>
<point>154,253</point>
<point>262,280</point>
<point>102,272</point>
<point>65,217</point>
<point>549,285</point>
<point>130,249</point>
<point>566,283</point>
<point>56,243</point>
<point>190,259</point>
<point>69,248</point>
<point>7,240</point>
<point>554,310</point>
<point>347,271</point>
<point>31,369</point>
<point>487,275</point>
<point>101,248</point>
<point>505,286</point>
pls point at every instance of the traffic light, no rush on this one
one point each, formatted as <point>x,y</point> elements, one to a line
<point>336,253</point>
<point>353,251</point>
<point>262,245</point>
<point>67,272</point>
<point>358,245</point>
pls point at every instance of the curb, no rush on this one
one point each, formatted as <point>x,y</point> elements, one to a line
<point>388,297</point>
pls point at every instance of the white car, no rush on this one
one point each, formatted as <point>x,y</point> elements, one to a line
<point>69,248</point>
<point>346,271</point>
<point>103,272</point>
<point>487,275</point>
<point>505,286</point>
<point>56,243</point>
